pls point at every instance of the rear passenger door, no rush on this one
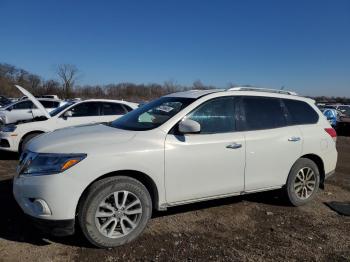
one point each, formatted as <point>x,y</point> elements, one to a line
<point>111,111</point>
<point>272,145</point>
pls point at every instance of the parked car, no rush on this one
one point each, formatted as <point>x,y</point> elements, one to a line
<point>181,148</point>
<point>332,116</point>
<point>343,124</point>
<point>15,137</point>
<point>4,101</point>
<point>339,117</point>
<point>25,110</point>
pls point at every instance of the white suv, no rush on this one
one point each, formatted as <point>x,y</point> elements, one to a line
<point>181,148</point>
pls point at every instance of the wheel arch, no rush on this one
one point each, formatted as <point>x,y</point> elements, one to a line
<point>146,180</point>
<point>27,134</point>
<point>319,162</point>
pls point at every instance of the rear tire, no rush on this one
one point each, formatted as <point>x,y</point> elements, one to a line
<point>114,211</point>
<point>303,182</point>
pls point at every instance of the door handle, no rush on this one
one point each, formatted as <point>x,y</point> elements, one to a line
<point>294,139</point>
<point>234,146</point>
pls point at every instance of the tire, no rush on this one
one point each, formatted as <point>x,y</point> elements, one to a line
<point>103,191</point>
<point>25,141</point>
<point>295,187</point>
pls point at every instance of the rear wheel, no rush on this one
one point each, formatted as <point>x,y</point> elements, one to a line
<point>115,211</point>
<point>303,182</point>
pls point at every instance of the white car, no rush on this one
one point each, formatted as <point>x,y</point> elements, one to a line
<point>25,110</point>
<point>181,148</point>
<point>15,137</point>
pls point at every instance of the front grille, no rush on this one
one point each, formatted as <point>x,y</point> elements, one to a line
<point>4,143</point>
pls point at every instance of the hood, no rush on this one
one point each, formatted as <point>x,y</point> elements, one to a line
<point>34,100</point>
<point>83,139</point>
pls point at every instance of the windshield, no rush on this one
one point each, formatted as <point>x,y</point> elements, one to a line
<point>153,114</point>
<point>60,109</point>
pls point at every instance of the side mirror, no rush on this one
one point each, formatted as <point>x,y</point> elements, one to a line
<point>68,114</point>
<point>188,126</point>
<point>9,108</point>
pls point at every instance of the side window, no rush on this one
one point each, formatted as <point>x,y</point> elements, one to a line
<point>216,116</point>
<point>263,113</point>
<point>85,109</point>
<point>23,105</point>
<point>300,112</point>
<point>128,108</point>
<point>108,109</point>
<point>49,104</point>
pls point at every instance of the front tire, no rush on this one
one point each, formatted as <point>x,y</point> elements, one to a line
<point>303,182</point>
<point>115,211</point>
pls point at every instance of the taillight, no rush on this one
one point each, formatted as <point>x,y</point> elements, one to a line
<point>332,133</point>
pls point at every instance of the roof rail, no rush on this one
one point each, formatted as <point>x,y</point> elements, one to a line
<point>258,89</point>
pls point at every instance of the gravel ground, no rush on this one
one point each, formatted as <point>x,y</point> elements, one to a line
<point>257,227</point>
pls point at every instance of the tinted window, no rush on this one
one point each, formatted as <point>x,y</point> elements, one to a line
<point>300,112</point>
<point>23,105</point>
<point>263,113</point>
<point>61,108</point>
<point>216,116</point>
<point>108,109</point>
<point>128,108</point>
<point>85,109</point>
<point>49,104</point>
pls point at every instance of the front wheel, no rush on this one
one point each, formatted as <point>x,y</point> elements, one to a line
<point>303,182</point>
<point>115,211</point>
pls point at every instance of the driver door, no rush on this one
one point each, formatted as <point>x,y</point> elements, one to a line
<point>210,163</point>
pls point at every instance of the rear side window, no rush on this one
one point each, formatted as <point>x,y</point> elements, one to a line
<point>263,113</point>
<point>23,105</point>
<point>108,109</point>
<point>50,104</point>
<point>301,113</point>
<point>128,108</point>
<point>85,109</point>
<point>216,116</point>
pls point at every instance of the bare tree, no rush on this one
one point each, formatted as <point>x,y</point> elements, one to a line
<point>68,75</point>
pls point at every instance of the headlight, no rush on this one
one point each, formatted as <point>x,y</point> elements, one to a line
<point>8,128</point>
<point>47,164</point>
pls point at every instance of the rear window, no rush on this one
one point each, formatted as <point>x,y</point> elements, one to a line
<point>301,113</point>
<point>263,113</point>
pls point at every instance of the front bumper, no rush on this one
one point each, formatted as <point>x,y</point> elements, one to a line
<point>58,228</point>
<point>49,197</point>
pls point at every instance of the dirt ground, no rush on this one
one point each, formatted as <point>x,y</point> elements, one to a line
<point>257,227</point>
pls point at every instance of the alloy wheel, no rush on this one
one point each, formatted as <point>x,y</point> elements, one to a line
<point>118,214</point>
